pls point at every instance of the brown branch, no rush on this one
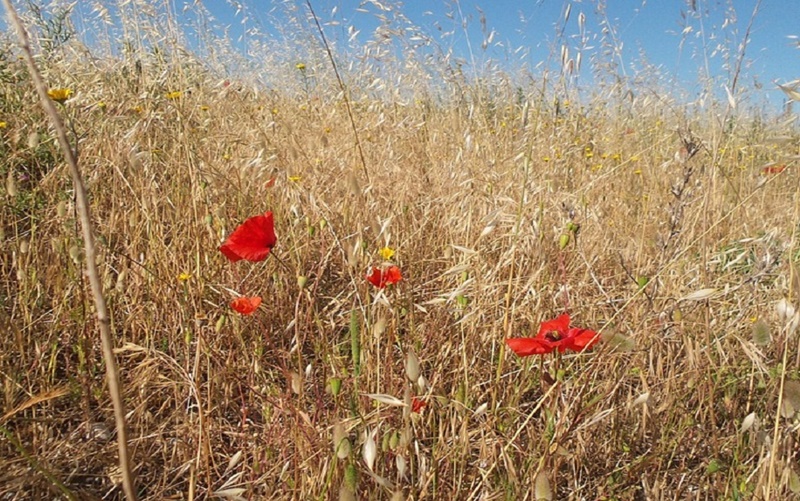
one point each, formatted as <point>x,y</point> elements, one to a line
<point>70,154</point>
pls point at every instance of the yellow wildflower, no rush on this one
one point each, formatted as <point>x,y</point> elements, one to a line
<point>59,95</point>
<point>616,156</point>
<point>137,109</point>
<point>184,277</point>
<point>386,253</point>
<point>102,105</point>
<point>545,159</point>
<point>295,179</point>
<point>176,94</point>
<point>300,66</point>
<point>634,158</point>
<point>3,125</point>
<point>204,108</point>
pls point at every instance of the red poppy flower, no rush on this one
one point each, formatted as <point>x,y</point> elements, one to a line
<point>417,404</point>
<point>579,339</point>
<point>252,240</point>
<point>246,305</point>
<point>527,346</point>
<point>380,278</point>
<point>270,183</point>
<point>773,169</point>
<point>554,334</point>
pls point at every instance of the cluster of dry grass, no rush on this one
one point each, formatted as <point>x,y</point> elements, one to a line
<point>677,259</point>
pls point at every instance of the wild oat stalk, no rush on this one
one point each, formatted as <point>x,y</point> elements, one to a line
<point>112,374</point>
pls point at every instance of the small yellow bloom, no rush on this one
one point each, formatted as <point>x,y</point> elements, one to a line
<point>638,172</point>
<point>588,154</point>
<point>137,109</point>
<point>327,130</point>
<point>176,94</point>
<point>274,111</point>
<point>545,159</point>
<point>616,156</point>
<point>184,277</point>
<point>604,156</point>
<point>204,108</point>
<point>300,66</point>
<point>634,158</point>
<point>295,179</point>
<point>3,125</point>
<point>102,105</point>
<point>386,253</point>
<point>59,95</point>
<point>226,157</point>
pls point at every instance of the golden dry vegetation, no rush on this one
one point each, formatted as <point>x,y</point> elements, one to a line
<point>505,206</point>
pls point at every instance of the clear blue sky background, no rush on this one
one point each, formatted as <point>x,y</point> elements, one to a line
<point>652,28</point>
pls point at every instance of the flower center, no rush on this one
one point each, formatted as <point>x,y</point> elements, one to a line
<point>553,336</point>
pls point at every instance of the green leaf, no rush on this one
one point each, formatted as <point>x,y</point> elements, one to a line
<point>761,334</point>
<point>355,342</point>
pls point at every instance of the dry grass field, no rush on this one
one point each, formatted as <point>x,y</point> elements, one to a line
<point>668,230</point>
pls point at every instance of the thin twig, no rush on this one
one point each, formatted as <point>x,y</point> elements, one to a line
<point>70,155</point>
<point>344,91</point>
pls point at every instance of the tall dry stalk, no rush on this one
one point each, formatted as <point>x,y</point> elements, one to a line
<point>112,374</point>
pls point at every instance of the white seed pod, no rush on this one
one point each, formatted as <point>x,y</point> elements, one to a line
<point>412,366</point>
<point>75,254</point>
<point>481,409</point>
<point>11,184</point>
<point>370,450</point>
<point>400,462</point>
<point>33,140</point>
<point>422,383</point>
<point>120,285</point>
<point>341,444</point>
<point>297,382</point>
<point>641,399</point>
<point>379,328</point>
<point>785,310</point>
<point>541,488</point>
<point>748,422</point>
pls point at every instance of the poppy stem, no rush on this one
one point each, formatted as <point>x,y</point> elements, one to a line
<point>282,262</point>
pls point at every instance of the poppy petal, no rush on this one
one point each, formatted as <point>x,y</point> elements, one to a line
<point>252,240</point>
<point>527,346</point>
<point>381,278</point>
<point>559,325</point>
<point>580,339</point>
<point>246,305</point>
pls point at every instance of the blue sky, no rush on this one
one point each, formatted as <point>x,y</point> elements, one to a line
<point>683,42</point>
<point>681,38</point>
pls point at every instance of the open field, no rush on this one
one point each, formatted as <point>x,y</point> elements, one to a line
<point>669,230</point>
